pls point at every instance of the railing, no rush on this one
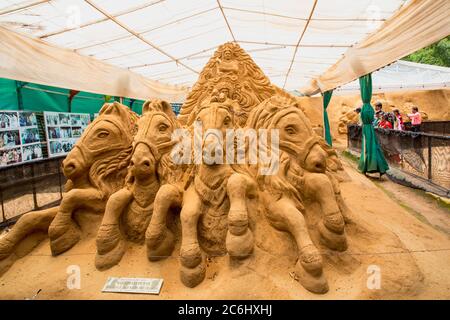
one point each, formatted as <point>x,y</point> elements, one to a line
<point>424,155</point>
<point>30,186</point>
<point>434,127</point>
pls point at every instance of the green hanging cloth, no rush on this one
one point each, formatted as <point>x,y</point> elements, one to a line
<point>326,124</point>
<point>372,159</point>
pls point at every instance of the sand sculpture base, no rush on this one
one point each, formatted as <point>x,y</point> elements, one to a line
<point>268,274</point>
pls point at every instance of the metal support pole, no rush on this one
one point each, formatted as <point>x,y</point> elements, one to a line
<point>72,95</point>
<point>3,207</point>
<point>33,184</point>
<point>429,158</point>
<point>19,85</point>
<point>59,179</point>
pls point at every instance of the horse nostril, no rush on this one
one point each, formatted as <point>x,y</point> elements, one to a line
<point>70,166</point>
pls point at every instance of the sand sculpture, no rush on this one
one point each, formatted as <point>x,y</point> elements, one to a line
<point>128,211</point>
<point>348,116</point>
<point>94,169</point>
<point>213,204</point>
<point>124,169</point>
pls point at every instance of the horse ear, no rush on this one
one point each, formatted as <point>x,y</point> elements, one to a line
<point>147,106</point>
<point>105,109</point>
<point>158,105</point>
<point>114,108</point>
<point>167,108</point>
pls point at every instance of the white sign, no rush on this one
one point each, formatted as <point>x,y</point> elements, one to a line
<point>133,285</point>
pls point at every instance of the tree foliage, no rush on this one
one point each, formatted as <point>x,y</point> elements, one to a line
<point>436,54</point>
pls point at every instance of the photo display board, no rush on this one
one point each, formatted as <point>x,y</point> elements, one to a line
<point>20,140</point>
<point>63,130</point>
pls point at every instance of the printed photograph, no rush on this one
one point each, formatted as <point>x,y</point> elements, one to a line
<point>67,145</point>
<point>27,119</point>
<point>10,156</point>
<point>66,132</point>
<point>52,119</point>
<point>54,132</point>
<point>56,147</point>
<point>30,135</point>
<point>64,119</point>
<point>85,120</point>
<point>32,152</point>
<point>8,120</point>
<point>77,132</point>
<point>9,139</point>
<point>75,119</point>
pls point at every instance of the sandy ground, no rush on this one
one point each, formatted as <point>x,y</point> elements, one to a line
<point>419,224</point>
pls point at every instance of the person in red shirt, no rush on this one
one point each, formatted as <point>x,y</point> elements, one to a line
<point>385,123</point>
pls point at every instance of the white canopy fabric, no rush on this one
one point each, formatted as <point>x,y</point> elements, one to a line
<point>403,75</point>
<point>170,41</point>
<point>31,60</point>
<point>419,24</point>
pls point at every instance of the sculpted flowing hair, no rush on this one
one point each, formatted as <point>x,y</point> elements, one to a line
<point>107,174</point>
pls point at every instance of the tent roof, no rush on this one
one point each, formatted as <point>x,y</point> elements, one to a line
<point>170,41</point>
<point>404,75</point>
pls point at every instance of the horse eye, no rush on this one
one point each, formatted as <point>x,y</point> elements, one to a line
<point>227,120</point>
<point>290,130</point>
<point>163,127</point>
<point>103,134</point>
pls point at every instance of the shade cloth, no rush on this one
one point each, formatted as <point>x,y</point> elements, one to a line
<point>32,60</point>
<point>171,41</point>
<point>417,25</point>
<point>372,159</point>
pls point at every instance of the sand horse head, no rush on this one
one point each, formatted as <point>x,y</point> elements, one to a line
<point>296,135</point>
<point>153,141</point>
<point>103,152</point>
<point>215,118</point>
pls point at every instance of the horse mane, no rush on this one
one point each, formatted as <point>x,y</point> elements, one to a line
<point>288,180</point>
<point>107,173</point>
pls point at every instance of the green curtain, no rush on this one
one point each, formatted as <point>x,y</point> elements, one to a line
<point>326,124</point>
<point>372,158</point>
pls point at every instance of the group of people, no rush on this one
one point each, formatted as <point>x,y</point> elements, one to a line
<point>32,152</point>
<point>10,156</point>
<point>394,120</point>
<point>9,139</point>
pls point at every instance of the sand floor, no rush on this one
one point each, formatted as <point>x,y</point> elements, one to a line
<point>420,223</point>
